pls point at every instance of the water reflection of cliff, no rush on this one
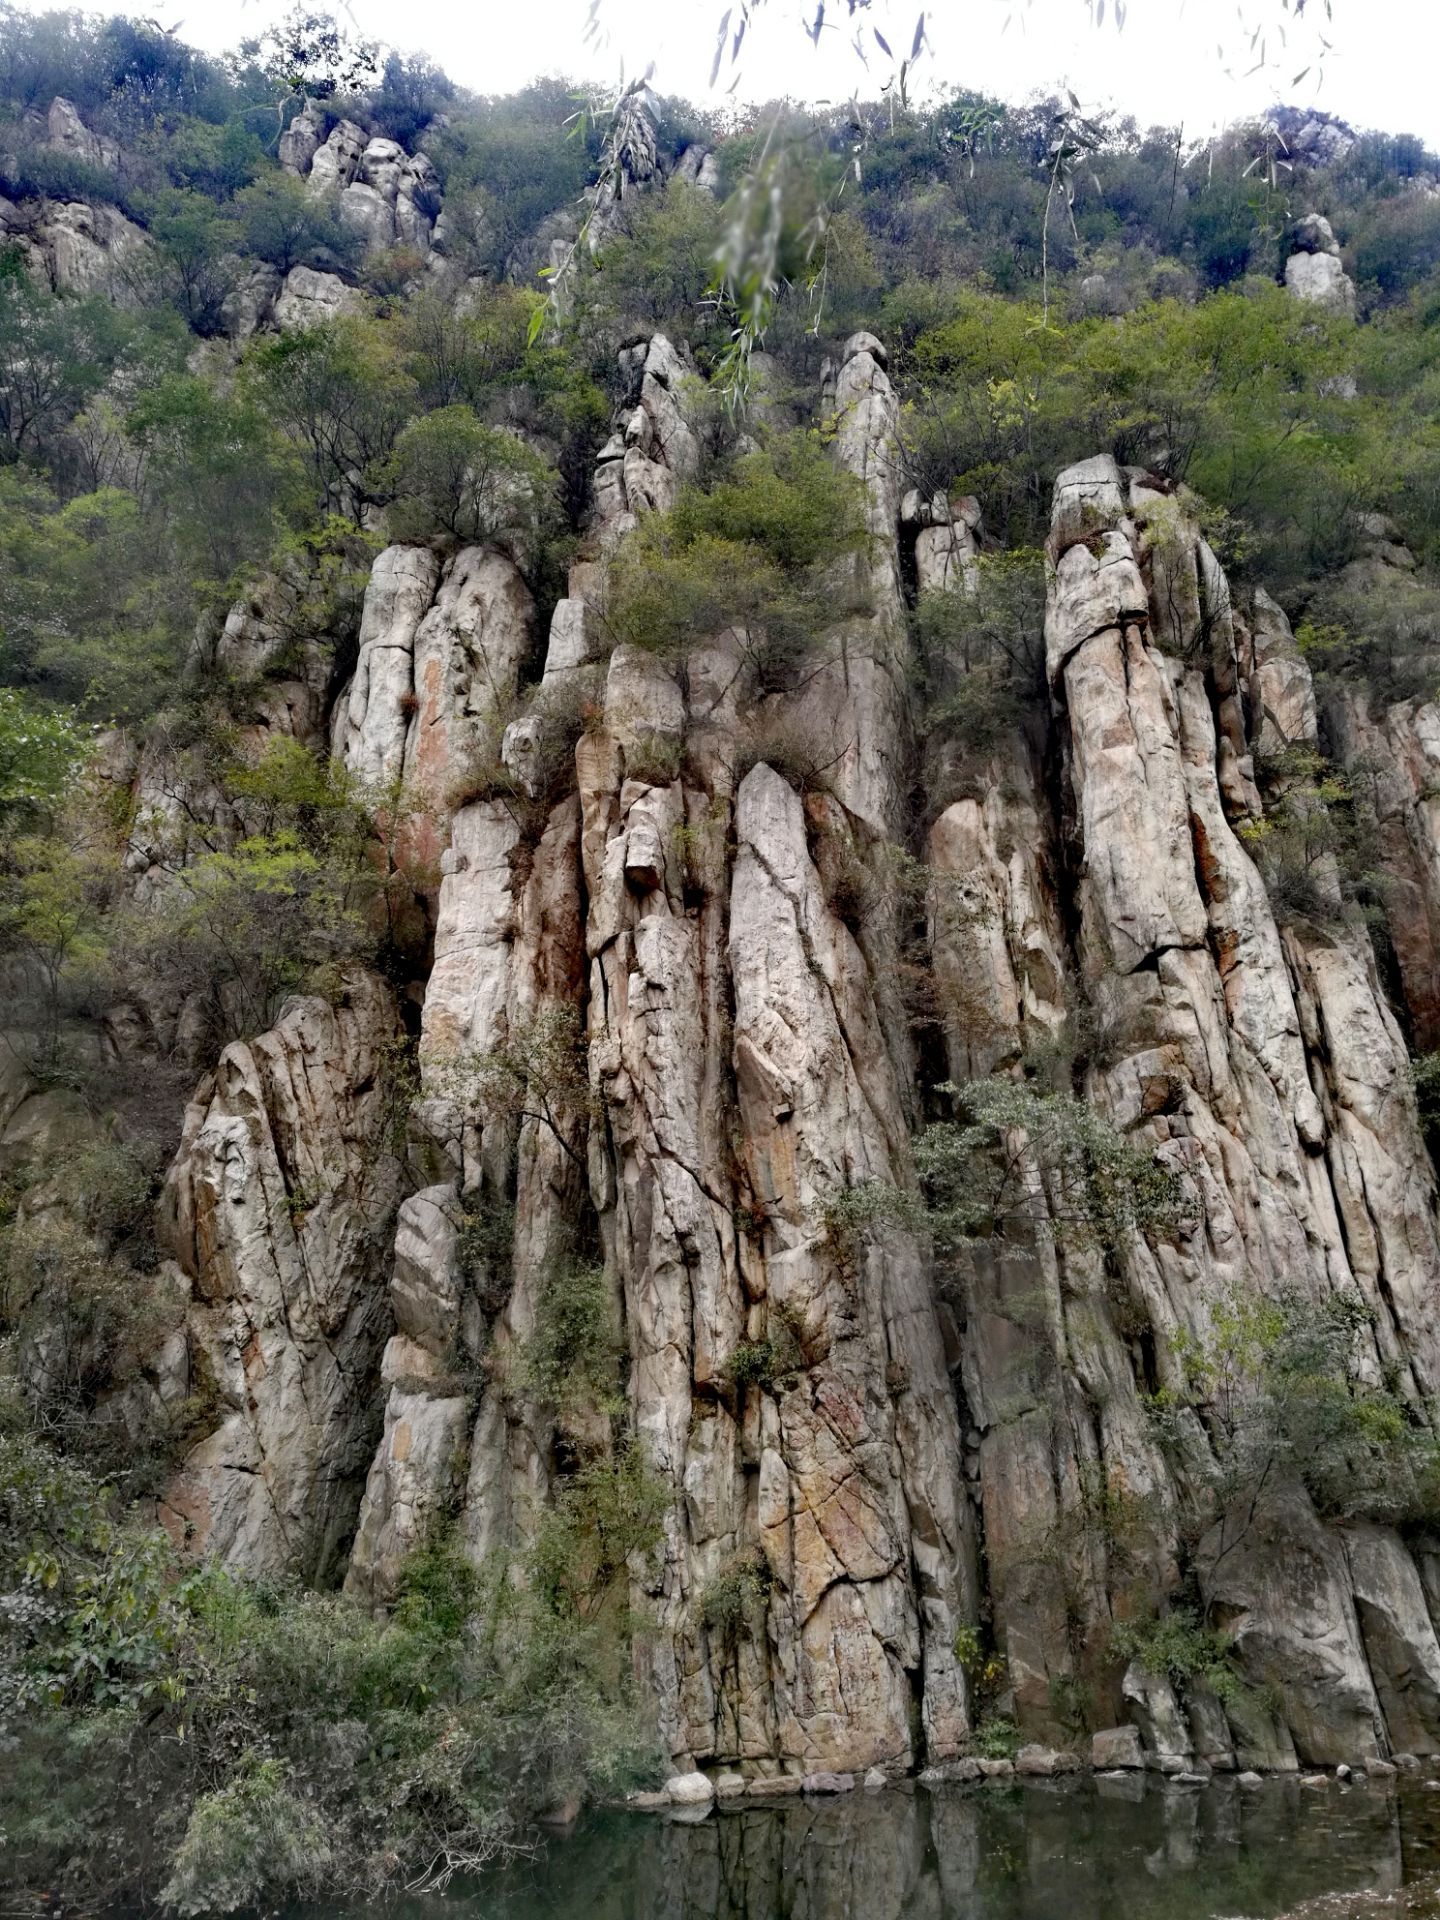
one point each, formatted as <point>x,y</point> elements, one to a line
<point>1129,1848</point>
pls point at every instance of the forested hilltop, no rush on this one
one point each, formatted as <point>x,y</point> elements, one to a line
<point>720,920</point>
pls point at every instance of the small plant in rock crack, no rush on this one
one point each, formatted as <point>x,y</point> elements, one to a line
<point>985,1667</point>
<point>733,1602</point>
<point>485,1245</point>
<point>573,1359</point>
<point>655,759</point>
<point>775,1358</point>
<point>996,1738</point>
<point>539,1071</point>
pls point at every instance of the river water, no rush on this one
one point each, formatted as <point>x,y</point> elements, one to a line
<point>1082,1849</point>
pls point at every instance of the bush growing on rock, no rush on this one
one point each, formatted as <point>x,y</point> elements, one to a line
<point>572,1358</point>
<point>758,552</point>
<point>286,906</point>
<point>1175,1646</point>
<point>982,651</point>
<point>450,474</point>
<point>975,1174</point>
<point>340,396</point>
<point>732,1603</point>
<point>1288,1396</point>
<point>774,1360</point>
<point>283,222</point>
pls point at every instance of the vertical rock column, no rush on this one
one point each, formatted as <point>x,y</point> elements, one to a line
<point>279,1211</point>
<point>1262,1059</point>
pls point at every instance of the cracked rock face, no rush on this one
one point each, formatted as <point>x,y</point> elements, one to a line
<point>278,1211</point>
<point>899,1460</point>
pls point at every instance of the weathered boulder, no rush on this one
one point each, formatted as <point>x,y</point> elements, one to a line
<point>66,132</point>
<point>1117,1747</point>
<point>309,298</point>
<point>336,161</point>
<point>1320,280</point>
<point>690,1789</point>
<point>301,139</point>
<point>94,250</point>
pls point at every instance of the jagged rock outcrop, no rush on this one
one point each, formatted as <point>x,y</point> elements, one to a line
<point>387,196</point>
<point>1396,753</point>
<point>67,133</point>
<point>279,1212</point>
<point>91,249</point>
<point>1314,272</point>
<point>857,703</point>
<point>442,642</point>
<point>899,1463</point>
<point>844,1480</point>
<point>301,140</point>
<point>1261,1058</point>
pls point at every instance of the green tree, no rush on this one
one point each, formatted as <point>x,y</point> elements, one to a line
<point>660,271</point>
<point>222,478</point>
<point>340,395</point>
<point>758,552</point>
<point>42,750</point>
<point>978,1174</point>
<point>55,353</point>
<point>982,650</point>
<point>213,160</point>
<point>279,219</point>
<point>465,356</point>
<point>195,256</point>
<point>451,474</point>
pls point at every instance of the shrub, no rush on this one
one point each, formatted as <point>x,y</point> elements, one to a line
<point>1098,1187</point>
<point>281,221</point>
<point>1314,844</point>
<point>296,1738</point>
<point>793,742</point>
<point>573,1357</point>
<point>1425,1075</point>
<point>81,1323</point>
<point>1175,1646</point>
<point>655,758</point>
<point>775,1359</point>
<point>41,753</point>
<point>248,927</point>
<point>854,1213</point>
<point>555,716</point>
<point>452,474</point>
<point>996,1738</point>
<point>789,502</point>
<point>539,1071</point>
<point>758,552</point>
<point>256,1833</point>
<point>485,1248</point>
<point>986,1670</point>
<point>1286,1394</point>
<point>733,1602</point>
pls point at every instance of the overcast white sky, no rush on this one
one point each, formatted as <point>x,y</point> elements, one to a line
<point>1383,69</point>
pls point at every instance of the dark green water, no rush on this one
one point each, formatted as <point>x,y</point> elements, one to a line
<point>1081,1850</point>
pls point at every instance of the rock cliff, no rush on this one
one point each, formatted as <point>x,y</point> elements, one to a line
<point>899,1461</point>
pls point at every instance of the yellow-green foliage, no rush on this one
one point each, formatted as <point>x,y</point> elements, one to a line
<point>756,551</point>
